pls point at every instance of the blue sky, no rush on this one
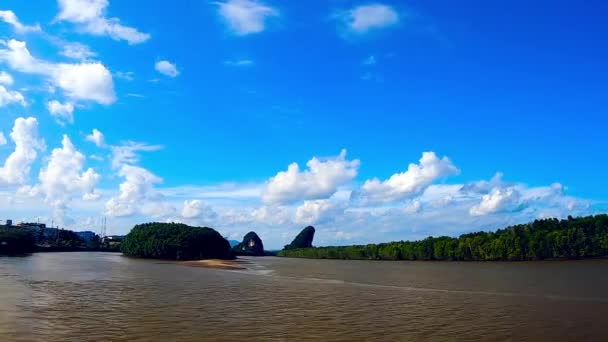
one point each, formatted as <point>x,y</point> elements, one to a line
<point>202,105</point>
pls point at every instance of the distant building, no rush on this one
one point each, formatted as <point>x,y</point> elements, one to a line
<point>114,238</point>
<point>9,223</point>
<point>86,236</point>
<point>30,225</point>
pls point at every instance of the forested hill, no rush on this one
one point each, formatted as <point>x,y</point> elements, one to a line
<point>583,237</point>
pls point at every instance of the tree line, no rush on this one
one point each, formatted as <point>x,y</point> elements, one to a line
<point>13,241</point>
<point>572,238</point>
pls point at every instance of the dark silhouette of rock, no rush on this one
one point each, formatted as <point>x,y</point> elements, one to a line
<point>304,239</point>
<point>251,245</point>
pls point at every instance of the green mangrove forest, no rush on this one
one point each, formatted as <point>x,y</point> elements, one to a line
<point>572,238</point>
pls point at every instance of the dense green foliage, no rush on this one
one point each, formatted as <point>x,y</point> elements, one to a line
<point>68,239</point>
<point>16,241</point>
<point>251,245</point>
<point>175,241</point>
<point>542,239</point>
<point>303,240</point>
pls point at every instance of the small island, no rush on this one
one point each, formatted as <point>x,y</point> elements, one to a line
<point>175,241</point>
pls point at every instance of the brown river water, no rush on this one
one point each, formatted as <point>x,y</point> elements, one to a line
<point>107,297</point>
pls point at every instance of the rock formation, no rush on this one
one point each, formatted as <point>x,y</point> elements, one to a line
<point>251,245</point>
<point>304,239</point>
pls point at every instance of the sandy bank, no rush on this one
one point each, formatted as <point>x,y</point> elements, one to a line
<point>216,263</point>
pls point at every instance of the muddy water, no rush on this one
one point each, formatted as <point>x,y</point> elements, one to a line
<point>107,297</point>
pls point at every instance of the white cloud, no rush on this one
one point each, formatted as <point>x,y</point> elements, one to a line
<point>245,17</point>
<point>137,189</point>
<point>137,194</point>
<point>197,209</point>
<point>77,51</point>
<point>10,18</point>
<point>413,207</point>
<point>319,181</point>
<point>2,139</point>
<point>271,215</point>
<point>81,81</point>
<point>319,211</point>
<point>127,153</point>
<point>157,209</point>
<point>90,16</point>
<point>409,183</point>
<point>6,78</point>
<point>11,96</point>
<point>96,137</point>
<point>239,62</point>
<point>62,112</point>
<point>499,200</point>
<point>17,166</point>
<point>166,68</point>
<point>63,178</point>
<point>18,57</point>
<point>364,18</point>
<point>86,81</point>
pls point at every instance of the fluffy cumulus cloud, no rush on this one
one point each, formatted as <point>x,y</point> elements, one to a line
<point>319,211</point>
<point>361,19</point>
<point>6,78</point>
<point>10,18</point>
<point>409,183</point>
<point>63,112</point>
<point>80,81</point>
<point>166,68</point>
<point>17,166</point>
<point>86,81</point>
<point>136,190</point>
<point>320,180</point>
<point>90,17</point>
<point>499,200</point>
<point>197,209</point>
<point>63,178</point>
<point>96,137</point>
<point>137,193</point>
<point>8,97</point>
<point>244,17</point>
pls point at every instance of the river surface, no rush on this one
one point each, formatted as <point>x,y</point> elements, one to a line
<point>108,297</point>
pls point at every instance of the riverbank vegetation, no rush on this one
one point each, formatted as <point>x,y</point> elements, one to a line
<point>16,242</point>
<point>175,241</point>
<point>573,238</point>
